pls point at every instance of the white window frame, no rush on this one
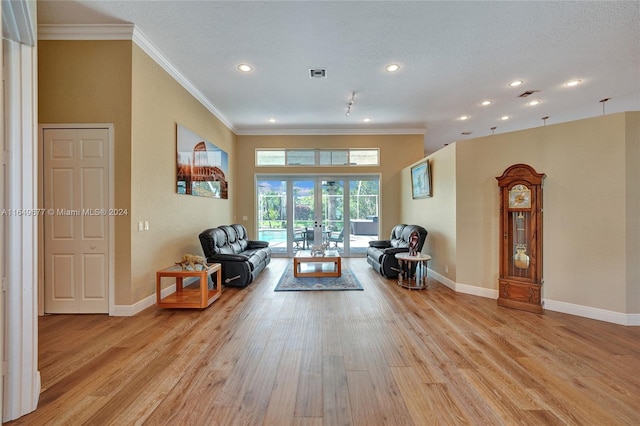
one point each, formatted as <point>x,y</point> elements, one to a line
<point>317,153</point>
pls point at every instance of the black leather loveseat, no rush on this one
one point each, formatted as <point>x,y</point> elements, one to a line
<point>381,253</point>
<point>242,259</point>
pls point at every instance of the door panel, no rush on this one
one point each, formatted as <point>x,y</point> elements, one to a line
<point>76,223</point>
<point>364,205</point>
<point>272,213</point>
<point>333,214</point>
<point>94,269</point>
<point>304,210</point>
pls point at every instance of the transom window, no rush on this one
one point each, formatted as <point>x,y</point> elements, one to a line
<point>317,157</point>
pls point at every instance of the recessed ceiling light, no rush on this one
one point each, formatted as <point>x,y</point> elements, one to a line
<point>463,117</point>
<point>533,102</point>
<point>516,83</point>
<point>572,83</point>
<point>504,117</point>
<point>272,120</point>
<point>485,103</point>
<point>392,67</point>
<point>244,67</point>
<point>366,120</point>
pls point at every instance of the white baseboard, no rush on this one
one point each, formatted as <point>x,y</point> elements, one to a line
<point>131,310</point>
<point>442,279</point>
<point>593,313</point>
<point>477,291</point>
<point>552,305</point>
<point>464,288</point>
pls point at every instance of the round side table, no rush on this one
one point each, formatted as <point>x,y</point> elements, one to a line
<point>413,270</point>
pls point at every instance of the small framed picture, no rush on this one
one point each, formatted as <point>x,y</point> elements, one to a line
<point>421,180</point>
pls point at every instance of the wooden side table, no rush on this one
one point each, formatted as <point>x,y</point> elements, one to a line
<point>199,297</point>
<point>413,270</point>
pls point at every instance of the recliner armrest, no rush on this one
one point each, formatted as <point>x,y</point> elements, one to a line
<point>219,257</point>
<point>380,243</point>
<point>254,244</point>
<point>394,250</point>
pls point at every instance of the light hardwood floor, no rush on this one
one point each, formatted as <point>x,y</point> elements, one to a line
<point>382,356</point>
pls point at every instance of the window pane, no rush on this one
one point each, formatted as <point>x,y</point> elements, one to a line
<point>301,158</point>
<point>366,157</point>
<point>339,158</point>
<point>270,158</point>
<point>325,158</point>
<point>334,158</point>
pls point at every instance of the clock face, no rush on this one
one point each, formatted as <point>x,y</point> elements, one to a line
<point>520,197</point>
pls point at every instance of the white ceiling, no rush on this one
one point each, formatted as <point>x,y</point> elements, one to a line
<point>452,56</point>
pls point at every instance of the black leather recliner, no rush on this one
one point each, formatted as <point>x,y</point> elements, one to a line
<point>241,259</point>
<point>381,253</point>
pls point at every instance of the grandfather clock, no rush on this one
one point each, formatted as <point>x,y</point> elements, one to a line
<point>520,281</point>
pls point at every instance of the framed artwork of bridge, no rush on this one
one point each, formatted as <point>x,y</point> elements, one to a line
<point>201,168</point>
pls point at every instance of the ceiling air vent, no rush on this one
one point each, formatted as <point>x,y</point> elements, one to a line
<point>527,93</point>
<point>318,73</point>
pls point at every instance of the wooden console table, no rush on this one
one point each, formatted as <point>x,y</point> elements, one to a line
<point>199,297</point>
<point>413,270</point>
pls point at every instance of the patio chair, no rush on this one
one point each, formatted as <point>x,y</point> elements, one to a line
<point>309,237</point>
<point>335,238</point>
<point>299,237</point>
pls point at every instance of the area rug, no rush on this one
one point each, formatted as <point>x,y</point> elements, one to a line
<point>288,282</point>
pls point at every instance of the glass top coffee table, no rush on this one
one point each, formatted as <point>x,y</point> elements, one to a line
<point>306,265</point>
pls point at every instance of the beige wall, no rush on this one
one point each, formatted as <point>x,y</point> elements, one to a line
<point>632,167</point>
<point>591,206</point>
<point>90,82</point>
<point>396,151</point>
<point>116,82</point>
<point>159,103</point>
<point>436,214</point>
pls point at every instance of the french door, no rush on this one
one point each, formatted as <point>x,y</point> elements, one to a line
<point>295,212</point>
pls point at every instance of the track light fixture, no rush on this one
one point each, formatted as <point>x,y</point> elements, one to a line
<point>603,101</point>
<point>350,103</point>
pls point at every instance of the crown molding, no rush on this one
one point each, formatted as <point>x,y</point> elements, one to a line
<point>133,33</point>
<point>266,131</point>
<point>156,54</point>
<point>85,32</point>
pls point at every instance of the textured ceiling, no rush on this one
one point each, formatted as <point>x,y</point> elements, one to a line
<point>452,55</point>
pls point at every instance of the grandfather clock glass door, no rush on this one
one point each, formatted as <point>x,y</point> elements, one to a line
<point>520,282</point>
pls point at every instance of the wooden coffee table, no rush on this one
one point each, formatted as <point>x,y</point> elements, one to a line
<point>305,265</point>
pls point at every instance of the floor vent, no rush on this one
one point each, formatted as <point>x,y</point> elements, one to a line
<point>318,73</point>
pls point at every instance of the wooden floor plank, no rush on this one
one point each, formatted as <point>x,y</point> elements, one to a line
<point>361,395</point>
<point>309,403</point>
<point>383,356</point>
<point>416,396</point>
<point>282,403</point>
<point>335,390</point>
